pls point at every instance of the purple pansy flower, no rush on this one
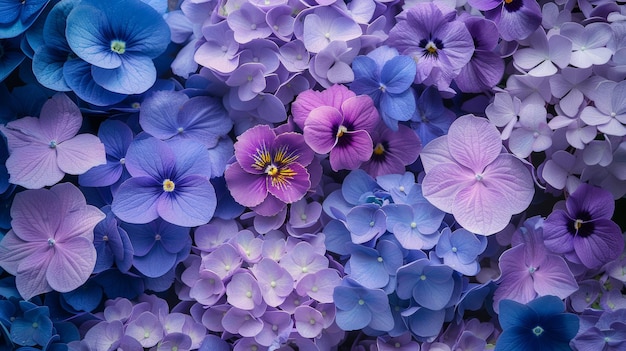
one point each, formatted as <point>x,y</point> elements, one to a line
<point>439,44</point>
<point>468,175</point>
<point>169,180</point>
<point>516,19</point>
<point>583,231</point>
<point>270,170</point>
<point>393,150</point>
<point>44,149</point>
<point>343,133</point>
<point>51,244</point>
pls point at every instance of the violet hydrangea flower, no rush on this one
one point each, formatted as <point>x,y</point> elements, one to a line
<point>51,244</point>
<point>584,231</point>
<point>468,175</point>
<point>270,170</point>
<point>44,149</point>
<point>169,180</point>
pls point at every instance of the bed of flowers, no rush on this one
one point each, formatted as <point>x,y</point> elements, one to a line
<point>311,175</point>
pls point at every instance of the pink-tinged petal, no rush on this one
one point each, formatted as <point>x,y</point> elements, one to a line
<point>71,264</point>
<point>70,198</point>
<point>435,153</point>
<point>290,184</point>
<point>553,277</point>
<point>60,118</point>
<point>481,209</point>
<point>510,177</point>
<point>320,129</point>
<point>79,154</point>
<point>474,142</point>
<point>603,246</point>
<point>295,145</point>
<point>253,148</point>
<point>351,153</point>
<point>360,113</point>
<point>23,132</point>
<point>34,167</point>
<point>31,274</point>
<point>13,250</point>
<point>247,189</point>
<point>308,100</point>
<point>36,215</point>
<point>136,200</point>
<point>443,182</point>
<point>190,204</point>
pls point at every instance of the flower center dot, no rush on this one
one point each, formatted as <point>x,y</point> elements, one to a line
<point>413,225</point>
<point>227,267</point>
<point>298,57</point>
<point>379,259</point>
<point>35,325</point>
<point>312,321</point>
<point>118,46</point>
<point>305,269</point>
<point>535,134</point>
<point>168,185</point>
<point>274,327</point>
<point>157,237</point>
<point>51,242</point>
<point>327,35</point>
<point>479,177</point>
<point>537,330</point>
<point>271,170</point>
<point>314,289</point>
<point>531,270</point>
<point>397,345</point>
<point>248,294</point>
<point>52,144</point>
<point>379,149</point>
<point>422,277</point>
<point>613,114</point>
<point>454,249</point>
<point>431,47</point>
<point>275,27</point>
<point>372,223</point>
<point>303,217</point>
<point>146,335</point>
<point>253,26</point>
<point>401,188</point>
<point>342,129</point>
<point>273,284</point>
<point>105,238</point>
<point>578,223</point>
<point>254,348</point>
<point>361,302</point>
<point>180,130</point>
<point>122,160</point>
<point>224,48</point>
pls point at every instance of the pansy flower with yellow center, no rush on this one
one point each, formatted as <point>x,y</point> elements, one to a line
<point>270,170</point>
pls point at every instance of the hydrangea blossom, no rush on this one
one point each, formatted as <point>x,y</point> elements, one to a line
<point>44,149</point>
<point>468,175</point>
<point>50,246</point>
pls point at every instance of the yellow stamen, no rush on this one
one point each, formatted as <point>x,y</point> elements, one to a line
<point>508,1</point>
<point>577,224</point>
<point>379,149</point>
<point>168,185</point>
<point>342,129</point>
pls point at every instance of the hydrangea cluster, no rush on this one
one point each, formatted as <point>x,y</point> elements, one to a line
<point>280,175</point>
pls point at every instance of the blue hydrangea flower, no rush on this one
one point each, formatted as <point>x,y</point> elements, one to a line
<point>17,16</point>
<point>539,325</point>
<point>119,38</point>
<point>386,77</point>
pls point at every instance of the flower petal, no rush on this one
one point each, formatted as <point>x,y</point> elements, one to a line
<point>474,142</point>
<point>71,264</point>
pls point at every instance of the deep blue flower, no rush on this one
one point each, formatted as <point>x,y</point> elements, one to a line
<point>34,327</point>
<point>431,118</point>
<point>119,38</point>
<point>359,307</point>
<point>17,16</point>
<point>10,56</point>
<point>386,77</point>
<point>538,325</point>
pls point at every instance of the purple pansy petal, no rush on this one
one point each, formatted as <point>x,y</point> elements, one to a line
<point>80,153</point>
<point>247,189</point>
<point>604,245</point>
<point>149,157</point>
<point>556,235</point>
<point>250,144</point>
<point>360,112</point>
<point>294,143</point>
<point>598,203</point>
<point>291,186</point>
<point>474,142</point>
<point>71,264</point>
<point>319,128</point>
<point>484,5</point>
<point>135,201</point>
<point>358,150</point>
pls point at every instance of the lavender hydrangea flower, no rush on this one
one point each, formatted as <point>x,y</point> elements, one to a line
<point>468,176</point>
<point>51,244</point>
<point>270,170</point>
<point>439,44</point>
<point>584,231</point>
<point>44,149</point>
<point>169,180</point>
